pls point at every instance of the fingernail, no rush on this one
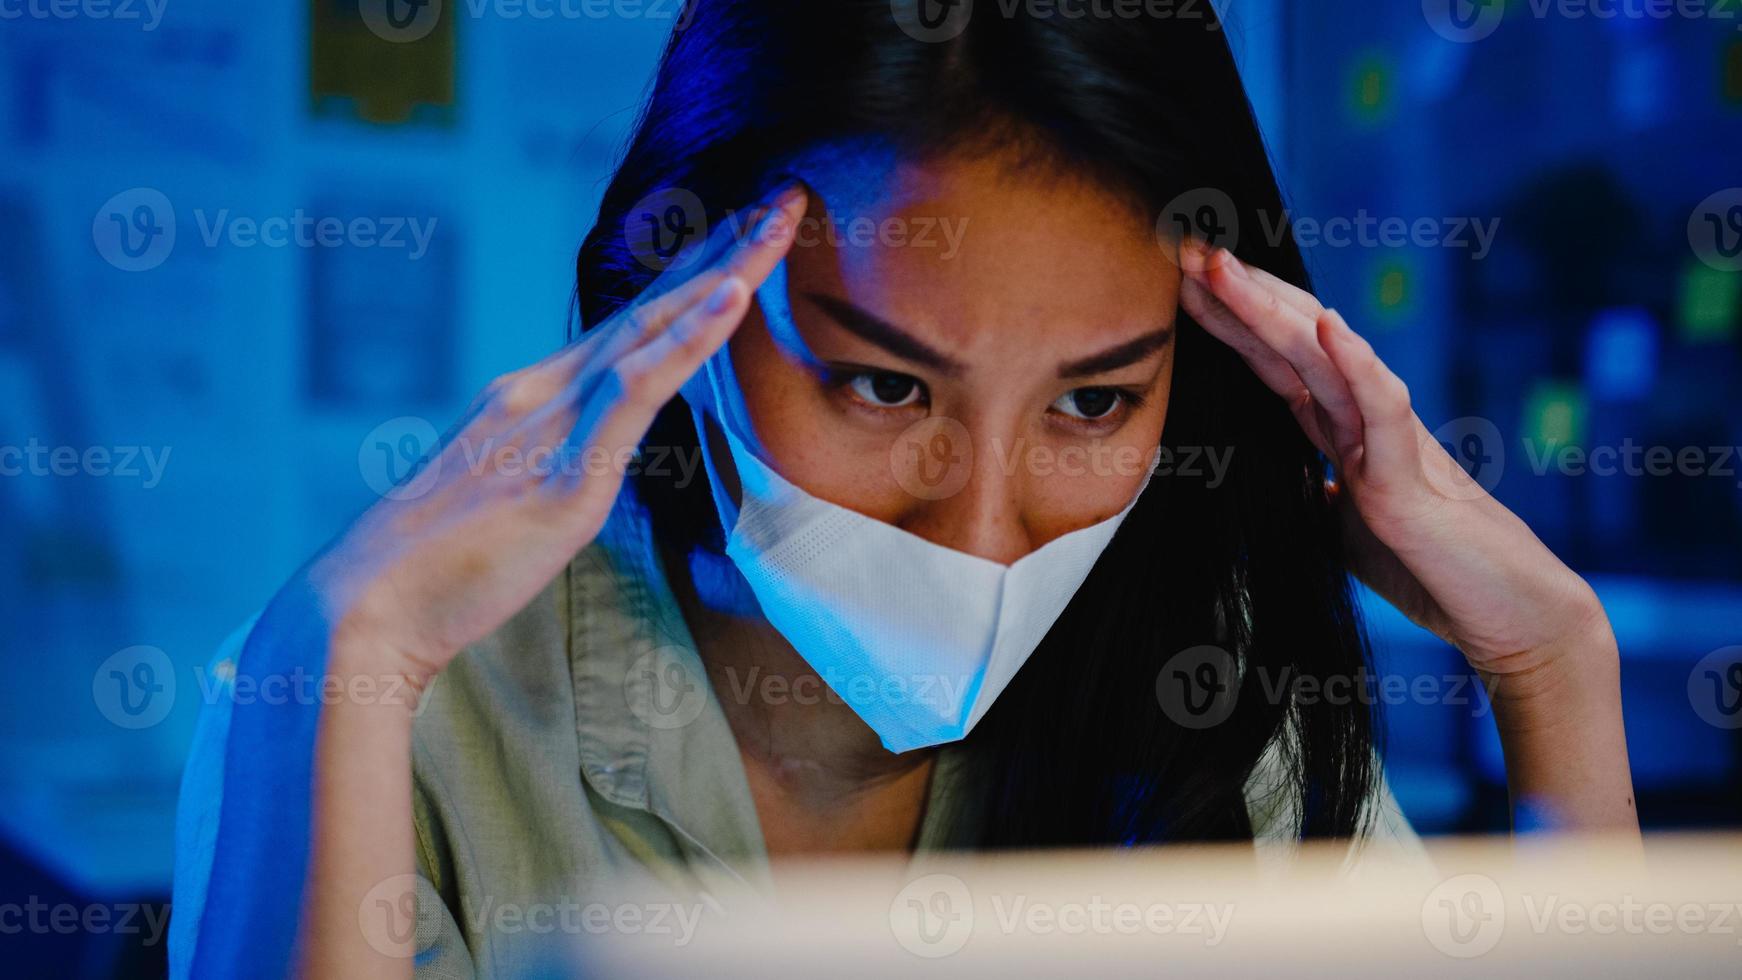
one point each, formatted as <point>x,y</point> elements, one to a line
<point>1191,255</point>
<point>787,199</point>
<point>723,296</point>
<point>1235,266</point>
<point>777,223</point>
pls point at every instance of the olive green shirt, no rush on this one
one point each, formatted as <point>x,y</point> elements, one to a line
<point>581,747</point>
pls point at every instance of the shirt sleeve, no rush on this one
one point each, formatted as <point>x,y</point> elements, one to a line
<point>245,906</point>
<point>197,807</point>
<point>442,953</point>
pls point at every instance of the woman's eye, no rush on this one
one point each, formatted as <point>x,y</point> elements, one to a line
<point>885,389</point>
<point>1089,404</point>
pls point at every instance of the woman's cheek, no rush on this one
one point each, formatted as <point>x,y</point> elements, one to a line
<point>833,454</point>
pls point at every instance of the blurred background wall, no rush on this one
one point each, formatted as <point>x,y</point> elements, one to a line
<point>198,385</point>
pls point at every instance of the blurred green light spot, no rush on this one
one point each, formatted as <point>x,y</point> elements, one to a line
<point>1372,89</point>
<point>1709,302</point>
<point>1554,413</point>
<point>1392,284</point>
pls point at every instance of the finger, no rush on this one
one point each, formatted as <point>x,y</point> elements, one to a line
<point>620,404</point>
<point>553,393</point>
<point>531,388</point>
<point>1290,333</point>
<point>1388,423</point>
<point>1272,369</point>
<point>749,258</point>
<point>1202,259</point>
<point>1214,316</point>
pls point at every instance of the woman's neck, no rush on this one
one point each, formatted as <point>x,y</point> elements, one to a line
<point>821,778</point>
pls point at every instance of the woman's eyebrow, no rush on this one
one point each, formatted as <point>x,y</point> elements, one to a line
<point>875,330</point>
<point>1114,358</point>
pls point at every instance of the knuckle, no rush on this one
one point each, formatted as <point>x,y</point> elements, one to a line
<point>488,401</point>
<point>628,382</point>
<point>516,394</point>
<point>1397,395</point>
<point>632,319</point>
<point>690,337</point>
<point>498,384</point>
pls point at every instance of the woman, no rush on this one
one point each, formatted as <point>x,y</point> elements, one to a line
<point>919,477</point>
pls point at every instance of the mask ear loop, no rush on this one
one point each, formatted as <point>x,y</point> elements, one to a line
<point>723,505</point>
<point>716,385</point>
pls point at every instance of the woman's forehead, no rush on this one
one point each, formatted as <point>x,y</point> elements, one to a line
<point>957,246</point>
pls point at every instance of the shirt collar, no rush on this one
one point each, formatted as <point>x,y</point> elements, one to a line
<point>652,733</point>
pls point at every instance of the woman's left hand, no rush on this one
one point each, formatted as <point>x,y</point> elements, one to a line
<point>1428,538</point>
<point>1422,533</point>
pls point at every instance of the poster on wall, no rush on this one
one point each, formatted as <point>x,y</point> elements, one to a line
<point>381,306</point>
<point>384,62</point>
<point>188,90</point>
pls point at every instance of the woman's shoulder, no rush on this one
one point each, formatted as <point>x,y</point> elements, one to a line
<point>1273,803</point>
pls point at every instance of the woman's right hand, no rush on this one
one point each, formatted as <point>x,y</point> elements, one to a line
<point>423,574</point>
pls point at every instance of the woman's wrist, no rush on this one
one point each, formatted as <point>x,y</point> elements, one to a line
<point>1565,682</point>
<point>1560,724</point>
<point>376,674</point>
<point>353,664</point>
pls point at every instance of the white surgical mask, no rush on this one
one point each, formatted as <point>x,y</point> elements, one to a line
<point>917,638</point>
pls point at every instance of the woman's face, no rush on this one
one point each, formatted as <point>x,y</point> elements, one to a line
<point>982,357</point>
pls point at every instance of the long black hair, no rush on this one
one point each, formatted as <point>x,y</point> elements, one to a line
<point>1082,747</point>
